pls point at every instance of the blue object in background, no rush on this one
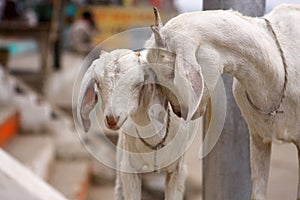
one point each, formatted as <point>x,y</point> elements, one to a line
<point>16,47</point>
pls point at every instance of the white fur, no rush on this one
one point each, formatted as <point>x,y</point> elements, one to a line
<point>227,42</point>
<point>117,73</point>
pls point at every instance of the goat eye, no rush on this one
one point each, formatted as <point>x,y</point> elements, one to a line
<point>163,57</point>
<point>97,88</point>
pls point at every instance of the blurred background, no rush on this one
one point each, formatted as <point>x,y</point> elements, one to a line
<point>43,44</point>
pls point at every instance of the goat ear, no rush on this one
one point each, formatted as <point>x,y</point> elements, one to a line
<point>188,81</point>
<point>158,22</point>
<point>157,36</point>
<point>156,28</point>
<point>156,101</point>
<point>87,98</point>
<point>148,88</point>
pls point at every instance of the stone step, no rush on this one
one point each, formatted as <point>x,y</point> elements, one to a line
<point>102,174</point>
<point>9,122</point>
<point>71,178</point>
<point>103,192</point>
<point>18,182</point>
<point>103,188</point>
<point>34,151</point>
<point>106,191</point>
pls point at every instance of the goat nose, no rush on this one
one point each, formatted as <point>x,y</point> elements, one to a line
<point>112,121</point>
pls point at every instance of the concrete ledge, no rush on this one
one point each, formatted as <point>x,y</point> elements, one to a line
<point>35,152</point>
<point>17,182</point>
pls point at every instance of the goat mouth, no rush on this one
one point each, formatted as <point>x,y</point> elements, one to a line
<point>116,126</point>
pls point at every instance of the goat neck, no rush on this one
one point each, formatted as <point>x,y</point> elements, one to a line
<point>242,47</point>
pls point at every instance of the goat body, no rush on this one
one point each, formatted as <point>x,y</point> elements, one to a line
<point>134,104</point>
<point>217,42</point>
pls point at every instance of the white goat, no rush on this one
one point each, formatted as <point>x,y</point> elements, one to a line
<point>129,88</point>
<point>263,55</point>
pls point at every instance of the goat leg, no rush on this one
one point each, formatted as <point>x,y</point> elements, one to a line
<point>175,182</point>
<point>260,153</point>
<point>132,186</point>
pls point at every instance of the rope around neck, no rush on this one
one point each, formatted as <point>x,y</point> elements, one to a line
<point>276,109</point>
<point>161,144</point>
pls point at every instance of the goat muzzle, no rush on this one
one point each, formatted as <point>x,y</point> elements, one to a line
<point>112,122</point>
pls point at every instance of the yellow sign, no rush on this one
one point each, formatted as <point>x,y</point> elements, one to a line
<point>111,20</point>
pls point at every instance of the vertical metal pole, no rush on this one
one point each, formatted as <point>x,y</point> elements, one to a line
<point>226,169</point>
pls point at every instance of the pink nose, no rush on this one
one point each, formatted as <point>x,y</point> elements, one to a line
<point>112,121</point>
